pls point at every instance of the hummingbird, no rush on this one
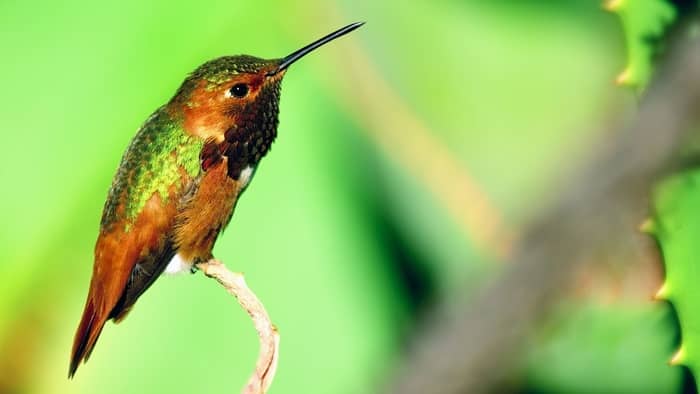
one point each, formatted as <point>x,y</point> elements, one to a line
<point>179,181</point>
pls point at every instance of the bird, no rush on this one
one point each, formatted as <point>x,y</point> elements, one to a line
<point>179,180</point>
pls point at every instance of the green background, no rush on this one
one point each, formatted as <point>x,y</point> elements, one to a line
<point>362,216</point>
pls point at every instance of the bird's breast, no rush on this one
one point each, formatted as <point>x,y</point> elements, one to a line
<point>207,211</point>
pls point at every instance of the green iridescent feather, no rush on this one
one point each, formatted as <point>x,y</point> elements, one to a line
<point>151,164</point>
<point>220,70</point>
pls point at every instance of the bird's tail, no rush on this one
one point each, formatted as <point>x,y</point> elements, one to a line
<point>85,338</point>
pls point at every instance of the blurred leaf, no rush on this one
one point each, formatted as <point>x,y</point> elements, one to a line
<point>644,22</point>
<point>613,348</point>
<point>676,225</point>
<point>493,115</point>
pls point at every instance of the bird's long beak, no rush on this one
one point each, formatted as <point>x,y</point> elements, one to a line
<point>298,54</point>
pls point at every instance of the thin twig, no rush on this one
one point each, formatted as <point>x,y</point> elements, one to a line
<point>600,207</point>
<point>235,284</point>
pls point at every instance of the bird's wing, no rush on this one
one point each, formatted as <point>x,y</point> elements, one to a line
<point>135,245</point>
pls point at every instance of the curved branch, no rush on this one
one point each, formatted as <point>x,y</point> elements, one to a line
<point>235,284</point>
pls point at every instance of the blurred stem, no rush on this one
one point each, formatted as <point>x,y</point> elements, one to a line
<point>235,284</point>
<point>599,208</point>
<point>407,140</point>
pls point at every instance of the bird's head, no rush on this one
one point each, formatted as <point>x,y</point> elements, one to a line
<point>232,95</point>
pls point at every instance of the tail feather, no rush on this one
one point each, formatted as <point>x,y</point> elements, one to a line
<point>85,338</point>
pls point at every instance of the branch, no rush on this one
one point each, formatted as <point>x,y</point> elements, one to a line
<point>235,284</point>
<point>474,349</point>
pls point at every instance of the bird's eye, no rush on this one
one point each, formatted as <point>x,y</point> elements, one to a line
<point>239,90</point>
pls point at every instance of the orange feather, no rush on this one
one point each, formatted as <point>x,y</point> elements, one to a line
<point>116,254</point>
<point>206,213</point>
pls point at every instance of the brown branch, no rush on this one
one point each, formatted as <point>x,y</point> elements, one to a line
<point>474,349</point>
<point>235,284</point>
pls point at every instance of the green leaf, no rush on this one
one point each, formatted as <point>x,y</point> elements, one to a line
<point>644,22</point>
<point>620,344</point>
<point>676,226</point>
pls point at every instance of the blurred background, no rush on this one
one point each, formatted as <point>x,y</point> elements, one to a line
<point>410,155</point>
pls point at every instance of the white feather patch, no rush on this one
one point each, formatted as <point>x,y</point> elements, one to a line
<point>178,265</point>
<point>245,176</point>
